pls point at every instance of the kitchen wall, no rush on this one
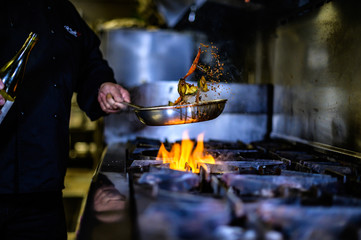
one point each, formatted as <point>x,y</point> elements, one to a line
<point>149,63</point>
<point>312,59</point>
<point>315,65</point>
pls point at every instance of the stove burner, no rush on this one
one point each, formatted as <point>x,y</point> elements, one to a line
<point>264,189</point>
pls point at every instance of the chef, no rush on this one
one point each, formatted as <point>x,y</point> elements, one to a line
<point>34,136</point>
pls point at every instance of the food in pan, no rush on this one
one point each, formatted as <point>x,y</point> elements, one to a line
<point>185,89</point>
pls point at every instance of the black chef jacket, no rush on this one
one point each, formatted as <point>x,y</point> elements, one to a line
<point>34,136</point>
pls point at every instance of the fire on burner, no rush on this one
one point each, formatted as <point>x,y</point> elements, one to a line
<point>272,189</point>
<point>184,156</point>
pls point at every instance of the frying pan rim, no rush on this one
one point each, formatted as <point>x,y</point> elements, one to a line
<point>164,107</point>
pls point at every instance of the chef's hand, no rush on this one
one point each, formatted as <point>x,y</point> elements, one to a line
<point>2,99</point>
<point>109,204</point>
<point>110,94</point>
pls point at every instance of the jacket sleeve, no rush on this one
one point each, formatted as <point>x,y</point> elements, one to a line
<point>94,70</point>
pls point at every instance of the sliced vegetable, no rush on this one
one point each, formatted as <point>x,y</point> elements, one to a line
<point>194,64</point>
<point>191,90</point>
<point>186,89</point>
<point>202,84</point>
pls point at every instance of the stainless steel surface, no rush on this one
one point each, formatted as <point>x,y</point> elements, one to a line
<point>291,178</point>
<point>316,71</point>
<point>180,114</point>
<point>130,105</point>
<point>140,56</point>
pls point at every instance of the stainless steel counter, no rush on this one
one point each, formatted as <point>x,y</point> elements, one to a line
<point>292,178</point>
<point>107,212</point>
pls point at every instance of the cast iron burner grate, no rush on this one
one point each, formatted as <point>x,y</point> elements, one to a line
<point>264,190</point>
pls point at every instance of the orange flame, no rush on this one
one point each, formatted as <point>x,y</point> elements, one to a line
<point>183,154</point>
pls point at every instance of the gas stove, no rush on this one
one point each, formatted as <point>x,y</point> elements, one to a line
<point>274,189</point>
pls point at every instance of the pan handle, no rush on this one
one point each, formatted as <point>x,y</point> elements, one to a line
<point>126,103</point>
<point>129,105</point>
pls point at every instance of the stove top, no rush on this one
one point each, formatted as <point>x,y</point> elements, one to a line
<point>263,190</point>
